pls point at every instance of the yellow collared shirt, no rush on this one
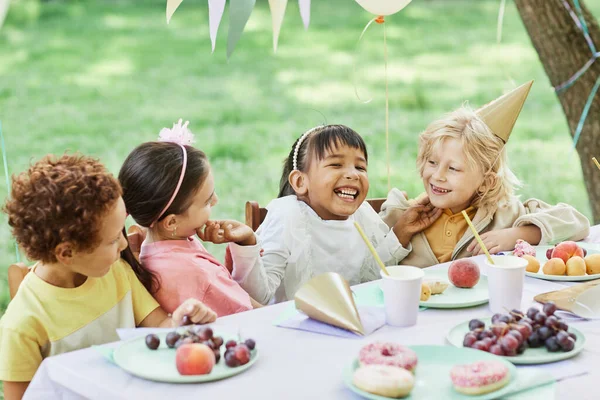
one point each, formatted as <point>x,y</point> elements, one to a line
<point>443,235</point>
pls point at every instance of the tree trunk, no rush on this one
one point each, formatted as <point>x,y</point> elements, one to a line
<point>562,49</point>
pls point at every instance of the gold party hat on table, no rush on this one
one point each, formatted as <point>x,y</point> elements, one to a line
<point>501,114</point>
<point>328,298</point>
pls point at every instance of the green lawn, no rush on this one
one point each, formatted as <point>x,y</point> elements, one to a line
<point>102,76</point>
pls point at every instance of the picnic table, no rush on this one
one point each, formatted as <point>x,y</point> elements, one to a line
<point>294,364</point>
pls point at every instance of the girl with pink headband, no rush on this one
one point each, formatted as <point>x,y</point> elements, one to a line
<point>168,187</point>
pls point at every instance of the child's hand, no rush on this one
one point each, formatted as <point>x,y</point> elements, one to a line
<point>227,231</point>
<point>416,219</point>
<point>195,311</point>
<point>505,239</point>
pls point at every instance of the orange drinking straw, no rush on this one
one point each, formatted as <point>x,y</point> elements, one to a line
<point>487,253</point>
<point>596,162</point>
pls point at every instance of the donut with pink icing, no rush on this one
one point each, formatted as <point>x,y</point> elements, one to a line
<point>480,377</point>
<point>388,354</point>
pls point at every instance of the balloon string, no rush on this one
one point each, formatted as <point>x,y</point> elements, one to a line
<point>354,64</point>
<point>387,107</point>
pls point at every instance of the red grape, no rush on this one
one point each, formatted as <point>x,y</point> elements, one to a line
<point>549,308</point>
<point>551,322</point>
<point>532,312</point>
<point>172,338</point>
<point>509,343</point>
<point>551,344</point>
<point>517,335</point>
<point>495,318</point>
<point>497,350</point>
<point>544,333</point>
<point>562,326</point>
<point>217,355</point>
<point>540,318</point>
<point>217,341</point>
<point>230,343</point>
<point>534,340</point>
<point>480,345</point>
<point>231,360</point>
<point>549,253</point>
<point>250,343</point>
<point>524,346</point>
<point>524,329</point>
<point>476,324</point>
<point>568,345</point>
<point>500,329</point>
<point>572,336</point>
<point>152,341</point>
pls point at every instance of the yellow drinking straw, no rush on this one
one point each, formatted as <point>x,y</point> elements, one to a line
<point>596,162</point>
<point>477,237</point>
<point>371,249</point>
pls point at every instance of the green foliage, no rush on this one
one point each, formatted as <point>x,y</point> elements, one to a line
<point>100,77</point>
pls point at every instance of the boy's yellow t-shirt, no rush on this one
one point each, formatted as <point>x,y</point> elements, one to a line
<point>45,320</point>
<point>444,234</point>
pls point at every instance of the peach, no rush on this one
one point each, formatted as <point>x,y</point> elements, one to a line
<point>463,273</point>
<point>566,250</point>
<point>592,264</point>
<point>194,359</point>
<point>575,266</point>
<point>533,265</point>
<point>555,266</point>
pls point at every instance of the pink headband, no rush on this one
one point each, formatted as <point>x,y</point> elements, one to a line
<point>180,135</point>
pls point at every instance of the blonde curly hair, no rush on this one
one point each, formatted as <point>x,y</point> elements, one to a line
<point>483,150</point>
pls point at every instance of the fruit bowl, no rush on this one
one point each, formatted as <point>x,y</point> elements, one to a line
<point>159,365</point>
<point>525,346</point>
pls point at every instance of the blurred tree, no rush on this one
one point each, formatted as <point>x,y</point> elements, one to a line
<point>563,51</point>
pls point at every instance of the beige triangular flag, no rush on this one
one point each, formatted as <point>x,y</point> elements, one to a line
<point>328,298</point>
<point>171,7</point>
<point>501,114</point>
<point>277,12</point>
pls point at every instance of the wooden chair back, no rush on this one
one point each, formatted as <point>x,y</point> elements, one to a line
<point>255,214</point>
<point>17,271</point>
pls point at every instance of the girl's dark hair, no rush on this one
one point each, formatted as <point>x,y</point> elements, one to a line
<point>146,277</point>
<point>149,177</point>
<point>322,140</point>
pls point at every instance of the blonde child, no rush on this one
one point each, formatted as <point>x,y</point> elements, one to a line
<point>463,164</point>
<point>68,214</point>
<point>310,228</point>
<point>168,187</point>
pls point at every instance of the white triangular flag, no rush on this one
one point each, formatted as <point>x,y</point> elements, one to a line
<point>277,12</point>
<point>215,13</point>
<point>305,12</point>
<point>3,10</point>
<point>171,7</point>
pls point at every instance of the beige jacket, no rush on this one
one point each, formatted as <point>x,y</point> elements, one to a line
<point>557,223</point>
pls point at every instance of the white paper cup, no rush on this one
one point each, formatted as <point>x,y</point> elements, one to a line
<point>401,294</point>
<point>505,282</point>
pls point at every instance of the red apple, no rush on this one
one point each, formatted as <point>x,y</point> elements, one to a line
<point>194,359</point>
<point>463,273</point>
<point>566,250</point>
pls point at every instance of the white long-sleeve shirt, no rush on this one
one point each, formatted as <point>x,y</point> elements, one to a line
<point>298,245</point>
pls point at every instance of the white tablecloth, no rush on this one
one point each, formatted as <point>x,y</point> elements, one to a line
<point>295,364</point>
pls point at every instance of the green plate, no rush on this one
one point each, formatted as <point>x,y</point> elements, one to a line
<point>432,375</point>
<point>454,297</point>
<point>540,254</point>
<point>530,356</point>
<point>159,365</point>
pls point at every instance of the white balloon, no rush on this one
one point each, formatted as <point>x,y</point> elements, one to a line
<point>383,7</point>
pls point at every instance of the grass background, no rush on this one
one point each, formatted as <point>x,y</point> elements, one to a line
<point>100,77</point>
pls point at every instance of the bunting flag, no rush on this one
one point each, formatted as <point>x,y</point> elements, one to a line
<point>239,13</point>
<point>3,10</point>
<point>171,7</point>
<point>277,12</point>
<point>305,11</point>
<point>215,13</point>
